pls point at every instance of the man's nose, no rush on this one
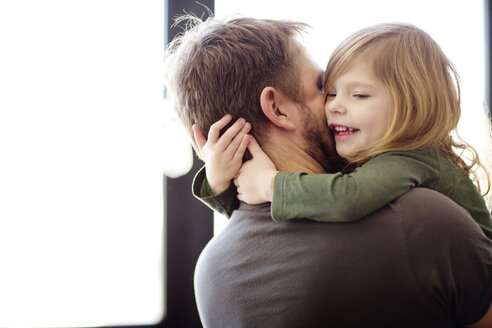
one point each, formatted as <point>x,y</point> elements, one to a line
<point>335,106</point>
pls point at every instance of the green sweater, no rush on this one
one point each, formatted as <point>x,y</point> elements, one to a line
<point>348,197</point>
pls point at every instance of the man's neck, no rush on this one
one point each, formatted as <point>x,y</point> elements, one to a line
<point>291,157</point>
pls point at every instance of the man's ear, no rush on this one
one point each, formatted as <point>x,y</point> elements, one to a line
<point>277,108</point>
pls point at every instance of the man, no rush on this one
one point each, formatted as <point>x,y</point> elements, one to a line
<point>419,262</point>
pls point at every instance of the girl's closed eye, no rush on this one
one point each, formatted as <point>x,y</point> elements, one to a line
<point>361,96</point>
<point>330,94</point>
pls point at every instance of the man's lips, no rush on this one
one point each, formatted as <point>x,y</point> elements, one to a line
<point>342,131</point>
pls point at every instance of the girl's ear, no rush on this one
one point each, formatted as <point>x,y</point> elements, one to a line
<point>278,108</point>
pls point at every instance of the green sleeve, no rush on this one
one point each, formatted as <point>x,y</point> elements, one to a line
<point>348,197</point>
<point>224,203</point>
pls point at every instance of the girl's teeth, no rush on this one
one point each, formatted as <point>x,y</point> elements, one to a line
<point>342,128</point>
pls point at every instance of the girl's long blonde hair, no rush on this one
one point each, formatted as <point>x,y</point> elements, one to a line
<point>424,87</point>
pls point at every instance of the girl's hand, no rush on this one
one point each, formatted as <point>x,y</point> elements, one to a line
<point>223,156</point>
<point>255,179</point>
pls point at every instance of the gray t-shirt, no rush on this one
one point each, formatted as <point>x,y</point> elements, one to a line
<point>420,262</point>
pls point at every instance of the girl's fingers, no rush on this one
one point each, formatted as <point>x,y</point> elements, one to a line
<point>230,133</point>
<point>199,137</point>
<point>238,155</point>
<point>214,132</point>
<point>232,147</point>
<point>255,148</point>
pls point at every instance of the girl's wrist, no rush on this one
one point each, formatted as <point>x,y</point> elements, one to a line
<point>218,189</point>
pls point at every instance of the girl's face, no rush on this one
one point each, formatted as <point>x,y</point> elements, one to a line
<point>358,109</point>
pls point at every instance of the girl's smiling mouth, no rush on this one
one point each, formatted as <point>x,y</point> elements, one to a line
<point>342,132</point>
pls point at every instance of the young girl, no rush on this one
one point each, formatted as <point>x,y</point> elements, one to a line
<point>392,102</point>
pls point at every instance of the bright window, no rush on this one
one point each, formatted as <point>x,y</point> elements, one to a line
<point>81,133</point>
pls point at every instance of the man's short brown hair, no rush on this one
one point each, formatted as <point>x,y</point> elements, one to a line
<point>221,66</point>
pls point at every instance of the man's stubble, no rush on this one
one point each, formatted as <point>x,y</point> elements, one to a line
<point>320,144</point>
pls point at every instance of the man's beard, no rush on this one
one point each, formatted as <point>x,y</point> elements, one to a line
<point>320,144</point>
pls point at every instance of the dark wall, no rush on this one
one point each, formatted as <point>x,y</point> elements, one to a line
<point>189,228</point>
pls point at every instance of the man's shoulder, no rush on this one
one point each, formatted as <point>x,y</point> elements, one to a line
<point>424,202</point>
<point>429,217</point>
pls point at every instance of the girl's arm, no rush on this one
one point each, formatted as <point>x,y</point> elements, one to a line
<point>349,197</point>
<point>341,197</point>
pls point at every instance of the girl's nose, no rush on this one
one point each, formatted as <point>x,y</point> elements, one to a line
<point>333,105</point>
